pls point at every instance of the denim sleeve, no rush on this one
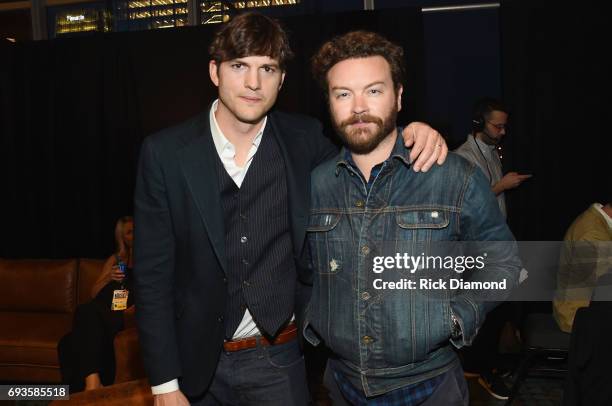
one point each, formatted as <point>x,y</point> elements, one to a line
<point>484,228</point>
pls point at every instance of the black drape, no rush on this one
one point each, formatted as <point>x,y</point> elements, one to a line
<point>556,81</point>
<point>73,113</point>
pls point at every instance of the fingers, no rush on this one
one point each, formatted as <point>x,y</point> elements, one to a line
<point>425,145</point>
<point>117,275</point>
<point>430,161</point>
<point>443,152</point>
<point>428,146</point>
<point>408,135</point>
<point>418,142</point>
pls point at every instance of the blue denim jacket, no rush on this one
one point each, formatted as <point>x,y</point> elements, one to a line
<point>386,338</point>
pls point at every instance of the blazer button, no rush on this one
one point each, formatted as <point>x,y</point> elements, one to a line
<point>220,319</point>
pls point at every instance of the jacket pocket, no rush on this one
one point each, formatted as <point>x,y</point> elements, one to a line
<point>420,225</point>
<point>433,218</point>
<point>322,222</point>
<point>439,324</point>
<point>326,243</point>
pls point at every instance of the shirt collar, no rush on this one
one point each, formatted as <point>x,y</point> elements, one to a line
<point>221,142</point>
<point>345,158</point>
<point>483,144</point>
<point>599,208</point>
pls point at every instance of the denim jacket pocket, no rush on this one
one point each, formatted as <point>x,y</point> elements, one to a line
<point>440,327</point>
<point>326,245</point>
<point>322,222</point>
<point>422,225</point>
<point>423,218</point>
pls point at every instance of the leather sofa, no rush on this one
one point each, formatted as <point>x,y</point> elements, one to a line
<point>37,303</point>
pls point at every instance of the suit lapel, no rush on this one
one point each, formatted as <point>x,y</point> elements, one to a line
<point>289,141</point>
<point>197,160</point>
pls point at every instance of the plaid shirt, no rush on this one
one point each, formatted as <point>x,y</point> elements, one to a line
<point>410,395</point>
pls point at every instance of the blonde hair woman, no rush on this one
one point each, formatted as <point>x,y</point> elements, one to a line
<point>124,239</point>
<point>86,354</point>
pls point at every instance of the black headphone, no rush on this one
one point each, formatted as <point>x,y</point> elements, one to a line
<point>478,124</point>
<point>481,109</point>
<point>478,116</point>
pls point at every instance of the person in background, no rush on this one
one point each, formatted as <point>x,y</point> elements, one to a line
<point>482,147</point>
<point>489,120</point>
<point>586,255</point>
<point>86,353</point>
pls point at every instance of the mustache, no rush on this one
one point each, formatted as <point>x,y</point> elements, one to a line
<point>361,118</point>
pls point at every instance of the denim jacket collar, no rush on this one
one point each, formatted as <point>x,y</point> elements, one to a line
<point>345,159</point>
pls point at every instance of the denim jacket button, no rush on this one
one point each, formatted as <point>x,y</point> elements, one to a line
<point>367,339</point>
<point>365,250</point>
<point>434,214</point>
<point>359,203</point>
<point>365,296</point>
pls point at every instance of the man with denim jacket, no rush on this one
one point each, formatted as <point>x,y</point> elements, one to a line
<point>390,329</point>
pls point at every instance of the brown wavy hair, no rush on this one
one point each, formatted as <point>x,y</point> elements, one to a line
<point>251,34</point>
<point>357,44</point>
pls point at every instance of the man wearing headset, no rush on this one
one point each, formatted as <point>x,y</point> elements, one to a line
<point>481,147</point>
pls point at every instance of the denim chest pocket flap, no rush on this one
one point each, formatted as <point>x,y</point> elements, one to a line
<point>322,222</point>
<point>433,218</point>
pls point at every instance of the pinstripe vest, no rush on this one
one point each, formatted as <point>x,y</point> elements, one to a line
<point>261,270</point>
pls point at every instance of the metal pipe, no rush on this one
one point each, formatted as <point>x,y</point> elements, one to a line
<point>368,4</point>
<point>459,8</point>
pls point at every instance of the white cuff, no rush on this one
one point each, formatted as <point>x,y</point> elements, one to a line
<point>167,387</point>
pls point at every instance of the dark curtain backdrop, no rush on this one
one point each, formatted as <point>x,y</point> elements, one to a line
<point>73,113</point>
<point>556,78</point>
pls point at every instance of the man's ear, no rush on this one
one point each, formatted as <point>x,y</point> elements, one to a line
<point>280,85</point>
<point>400,89</point>
<point>213,71</point>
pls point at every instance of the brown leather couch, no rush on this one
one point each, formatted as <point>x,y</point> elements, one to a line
<point>37,303</point>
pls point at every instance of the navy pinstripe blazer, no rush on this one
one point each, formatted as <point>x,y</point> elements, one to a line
<point>180,258</point>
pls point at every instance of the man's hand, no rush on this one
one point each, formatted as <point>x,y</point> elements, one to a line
<point>175,398</point>
<point>427,144</point>
<point>512,180</point>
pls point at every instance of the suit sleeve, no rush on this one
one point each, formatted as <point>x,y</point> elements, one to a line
<point>322,147</point>
<point>154,246</point>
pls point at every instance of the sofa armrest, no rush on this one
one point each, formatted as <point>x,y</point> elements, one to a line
<point>128,360</point>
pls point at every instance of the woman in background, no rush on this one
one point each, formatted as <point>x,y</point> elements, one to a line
<point>86,354</point>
